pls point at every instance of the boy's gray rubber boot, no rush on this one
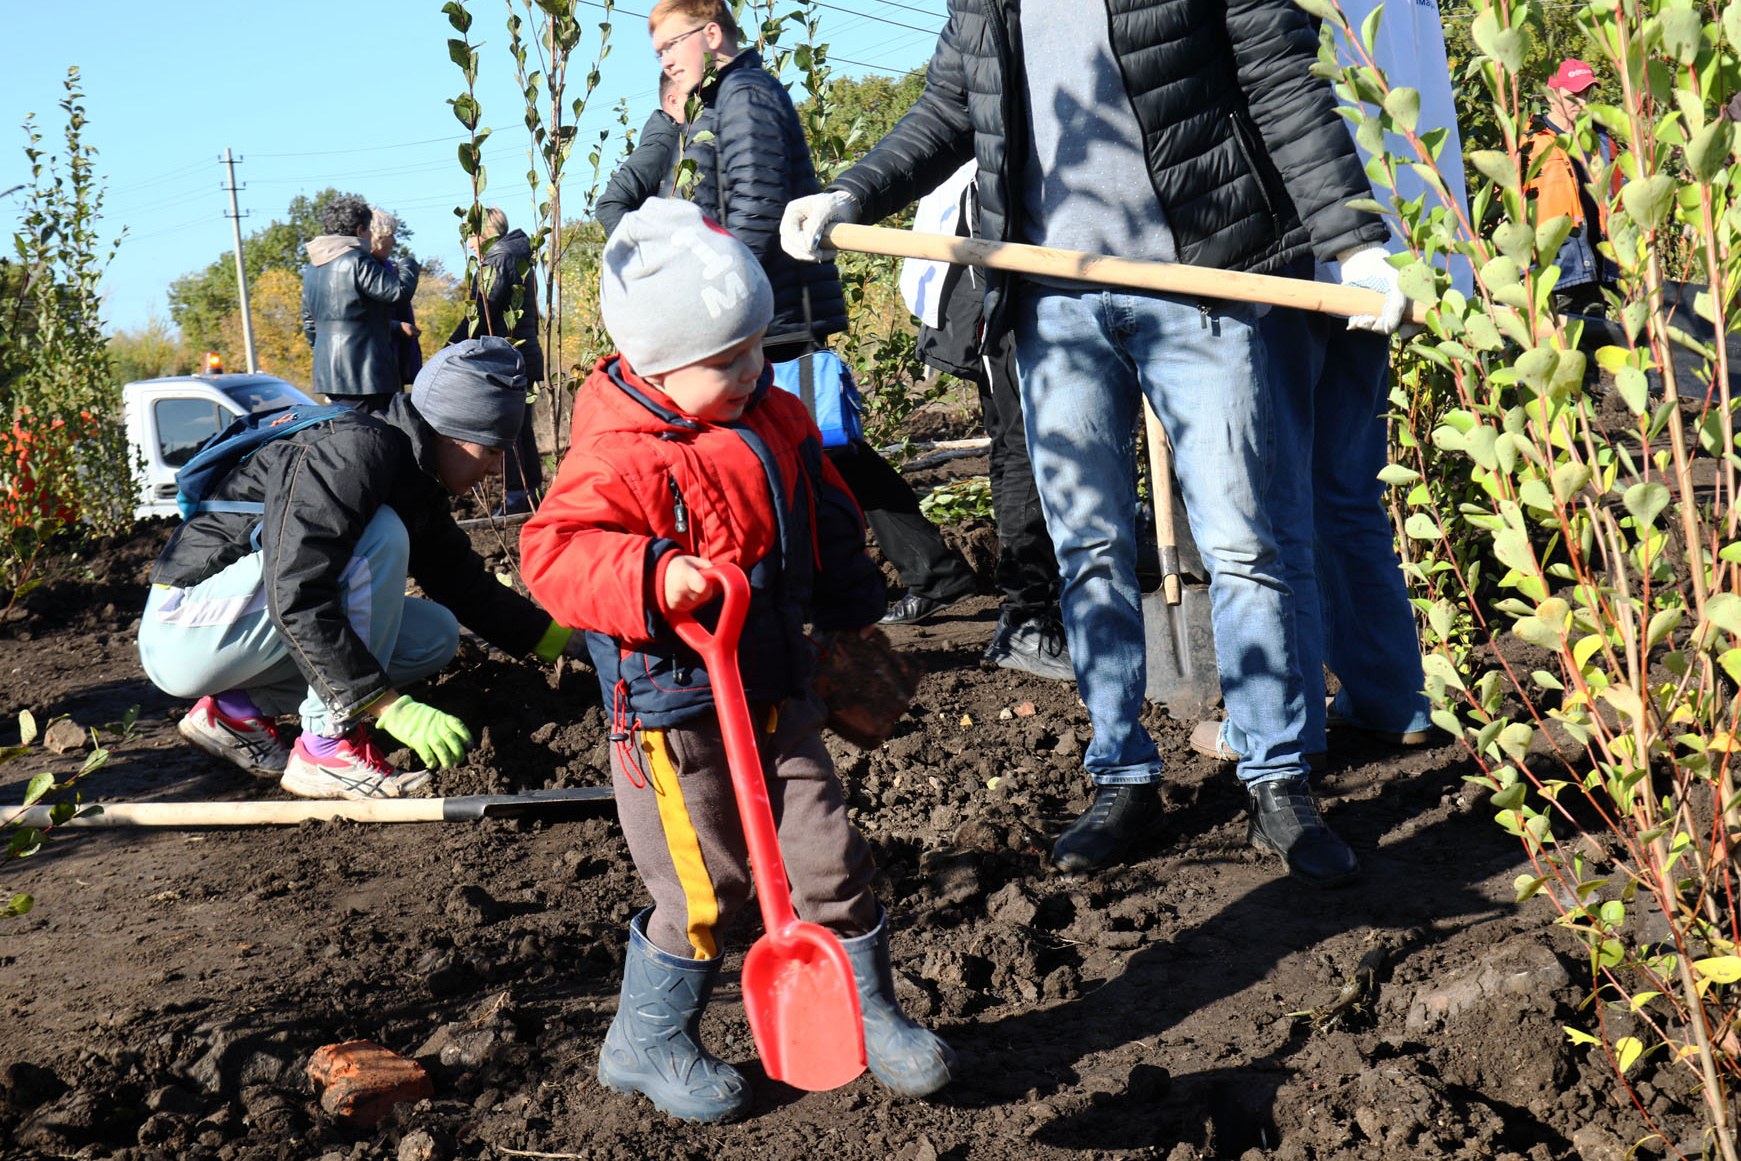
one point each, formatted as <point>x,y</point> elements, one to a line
<point>651,1047</point>
<point>911,1060</point>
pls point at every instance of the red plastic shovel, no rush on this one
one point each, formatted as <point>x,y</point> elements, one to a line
<point>797,982</point>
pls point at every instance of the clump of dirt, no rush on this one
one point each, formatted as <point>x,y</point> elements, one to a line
<point>164,997</point>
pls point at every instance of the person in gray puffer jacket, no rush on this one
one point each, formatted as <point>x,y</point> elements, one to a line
<point>348,298</point>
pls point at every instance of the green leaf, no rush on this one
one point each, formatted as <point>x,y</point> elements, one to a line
<point>26,727</point>
<point>1507,46</point>
<point>1397,475</point>
<point>1509,798</point>
<point>1664,622</point>
<point>1404,106</point>
<point>1646,502</point>
<point>1499,168</point>
<point>39,785</point>
<point>1707,153</point>
<point>1720,969</point>
<point>1533,631</point>
<point>1420,526</point>
<point>1577,1037</point>
<point>18,905</point>
<point>457,16</point>
<point>1517,242</point>
<point>1732,22</point>
<point>1682,33</point>
<point>1724,611</point>
<point>1627,1050</point>
<point>1649,201</point>
<point>1634,389</point>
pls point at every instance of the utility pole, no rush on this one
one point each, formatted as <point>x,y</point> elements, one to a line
<point>235,216</point>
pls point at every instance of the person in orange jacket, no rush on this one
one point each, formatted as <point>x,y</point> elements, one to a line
<point>1562,186</point>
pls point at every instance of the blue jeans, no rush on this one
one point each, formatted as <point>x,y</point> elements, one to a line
<point>1086,358</point>
<point>1352,613</point>
<point>219,634</point>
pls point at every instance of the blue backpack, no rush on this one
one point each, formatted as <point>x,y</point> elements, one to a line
<point>226,451</point>
<point>825,385</point>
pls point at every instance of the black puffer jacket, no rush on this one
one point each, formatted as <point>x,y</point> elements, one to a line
<point>348,298</point>
<point>755,163</point>
<point>1236,130</point>
<point>498,274</point>
<point>642,174</point>
<point>321,487</point>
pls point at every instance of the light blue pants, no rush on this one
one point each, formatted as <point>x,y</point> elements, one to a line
<point>1329,387</point>
<point>1086,359</point>
<point>218,635</point>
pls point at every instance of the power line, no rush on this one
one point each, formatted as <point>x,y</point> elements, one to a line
<point>368,148</point>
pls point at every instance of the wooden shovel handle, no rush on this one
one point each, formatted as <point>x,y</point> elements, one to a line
<point>1169,277</point>
<point>275,813</point>
<point>1161,483</point>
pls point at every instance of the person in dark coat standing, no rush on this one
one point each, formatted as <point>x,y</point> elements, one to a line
<point>1185,131</point>
<point>383,237</point>
<point>348,299</point>
<point>754,162</point>
<point>505,262</point>
<point>650,169</point>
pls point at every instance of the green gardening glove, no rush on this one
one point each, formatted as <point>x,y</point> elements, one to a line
<point>439,739</point>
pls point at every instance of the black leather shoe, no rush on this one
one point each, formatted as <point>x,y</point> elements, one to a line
<point>1285,820</point>
<point>913,608</point>
<point>1118,816</point>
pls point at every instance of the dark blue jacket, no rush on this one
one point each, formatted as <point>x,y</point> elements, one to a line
<point>755,163</point>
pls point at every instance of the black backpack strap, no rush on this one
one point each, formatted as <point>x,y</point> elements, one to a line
<point>807,381</point>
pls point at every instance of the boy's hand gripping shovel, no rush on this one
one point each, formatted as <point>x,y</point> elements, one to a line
<point>797,982</point>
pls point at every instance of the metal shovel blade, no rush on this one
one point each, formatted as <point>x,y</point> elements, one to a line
<point>803,1008</point>
<point>1178,633</point>
<point>1180,646</point>
<point>798,988</point>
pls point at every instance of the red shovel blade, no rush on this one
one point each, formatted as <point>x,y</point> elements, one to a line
<point>803,1009</point>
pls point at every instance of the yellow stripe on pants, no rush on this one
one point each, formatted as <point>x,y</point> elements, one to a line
<point>685,847</point>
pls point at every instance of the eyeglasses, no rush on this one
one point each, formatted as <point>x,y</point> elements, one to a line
<point>661,51</point>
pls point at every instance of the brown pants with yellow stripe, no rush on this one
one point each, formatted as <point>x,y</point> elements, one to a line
<point>674,797</point>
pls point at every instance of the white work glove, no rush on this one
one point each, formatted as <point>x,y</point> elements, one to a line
<point>1366,266</point>
<point>805,220</point>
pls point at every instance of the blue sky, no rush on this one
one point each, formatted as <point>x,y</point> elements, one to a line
<point>320,93</point>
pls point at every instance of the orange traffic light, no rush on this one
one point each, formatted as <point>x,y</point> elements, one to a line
<point>214,365</point>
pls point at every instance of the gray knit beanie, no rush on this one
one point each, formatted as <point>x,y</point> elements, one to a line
<point>676,288</point>
<point>474,391</point>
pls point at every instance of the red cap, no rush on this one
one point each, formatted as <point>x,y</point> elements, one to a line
<point>1574,76</point>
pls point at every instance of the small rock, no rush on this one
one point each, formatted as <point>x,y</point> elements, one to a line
<point>1026,710</point>
<point>65,736</point>
<point>1594,1143</point>
<point>472,906</point>
<point>1518,972</point>
<point>172,1099</point>
<point>1010,904</point>
<point>423,1145</point>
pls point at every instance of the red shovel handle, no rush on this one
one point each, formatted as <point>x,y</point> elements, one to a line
<point>718,651</point>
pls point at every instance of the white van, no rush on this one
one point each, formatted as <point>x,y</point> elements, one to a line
<point>168,419</point>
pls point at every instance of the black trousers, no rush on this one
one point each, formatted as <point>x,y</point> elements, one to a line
<point>1027,569</point>
<point>522,468</point>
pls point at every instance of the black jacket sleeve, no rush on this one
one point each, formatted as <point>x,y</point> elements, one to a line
<point>1275,45</point>
<point>641,173</point>
<point>924,147</point>
<point>324,497</point>
<point>375,281</point>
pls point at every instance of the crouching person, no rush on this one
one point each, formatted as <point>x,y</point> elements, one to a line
<point>285,592</point>
<point>684,455</point>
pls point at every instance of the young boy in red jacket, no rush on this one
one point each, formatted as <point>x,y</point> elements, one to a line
<point>683,455</point>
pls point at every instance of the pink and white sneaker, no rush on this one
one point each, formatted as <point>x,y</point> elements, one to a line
<point>251,743</point>
<point>354,769</point>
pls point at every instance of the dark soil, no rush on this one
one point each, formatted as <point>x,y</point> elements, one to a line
<point>163,998</point>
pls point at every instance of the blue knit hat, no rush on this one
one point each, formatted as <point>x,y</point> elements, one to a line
<point>474,391</point>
